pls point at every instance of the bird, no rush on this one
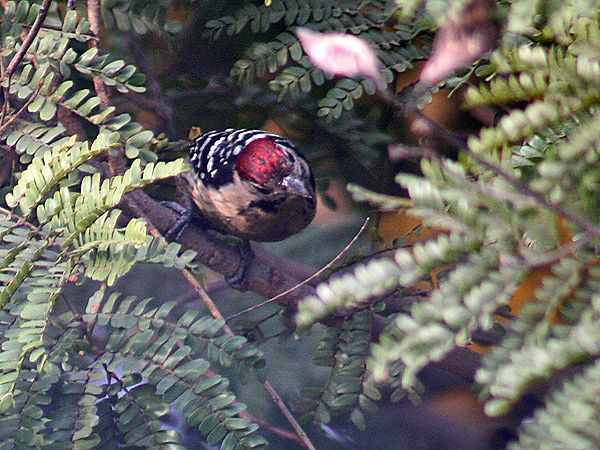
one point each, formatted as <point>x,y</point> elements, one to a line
<point>251,184</point>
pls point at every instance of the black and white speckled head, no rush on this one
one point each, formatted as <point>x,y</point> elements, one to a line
<point>266,162</point>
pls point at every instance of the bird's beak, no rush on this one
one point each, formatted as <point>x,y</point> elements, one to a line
<point>294,185</point>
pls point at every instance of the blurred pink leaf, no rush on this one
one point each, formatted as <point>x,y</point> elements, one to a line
<point>341,54</point>
<point>461,41</point>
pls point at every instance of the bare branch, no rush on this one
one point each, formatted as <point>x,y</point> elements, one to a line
<point>95,19</point>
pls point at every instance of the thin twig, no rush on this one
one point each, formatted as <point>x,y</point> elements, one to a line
<point>208,302</point>
<point>35,29</point>
<point>21,220</point>
<point>587,225</point>
<point>309,279</point>
<point>214,311</point>
<point>192,281</point>
<point>5,93</point>
<point>59,29</point>
<point>272,428</point>
<point>551,257</point>
<point>517,199</point>
<point>19,55</point>
<point>288,415</point>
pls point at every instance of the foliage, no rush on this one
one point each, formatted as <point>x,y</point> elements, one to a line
<point>140,17</point>
<point>371,21</point>
<point>521,200</point>
<point>106,376</point>
<point>348,389</point>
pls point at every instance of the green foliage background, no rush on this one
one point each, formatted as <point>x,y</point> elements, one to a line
<point>106,370</point>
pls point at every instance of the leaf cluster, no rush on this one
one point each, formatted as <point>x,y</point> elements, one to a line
<point>375,21</point>
<point>523,198</point>
<point>348,390</point>
<point>106,376</point>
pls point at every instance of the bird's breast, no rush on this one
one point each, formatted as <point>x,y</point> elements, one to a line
<point>236,211</point>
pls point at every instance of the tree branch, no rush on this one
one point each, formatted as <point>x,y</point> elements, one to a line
<point>13,118</point>
<point>307,280</point>
<point>266,276</point>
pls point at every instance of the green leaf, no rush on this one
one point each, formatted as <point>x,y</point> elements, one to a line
<point>70,21</point>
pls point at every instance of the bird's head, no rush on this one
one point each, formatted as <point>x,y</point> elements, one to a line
<point>274,168</point>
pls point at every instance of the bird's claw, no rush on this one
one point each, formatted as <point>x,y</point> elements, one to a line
<point>177,229</point>
<point>239,280</point>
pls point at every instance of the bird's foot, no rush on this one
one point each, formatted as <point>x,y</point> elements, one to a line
<point>239,280</point>
<point>177,229</point>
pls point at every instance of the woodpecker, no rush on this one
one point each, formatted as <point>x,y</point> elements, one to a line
<point>251,184</point>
